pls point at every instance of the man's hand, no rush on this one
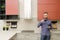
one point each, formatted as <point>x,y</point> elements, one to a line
<point>49,27</point>
<point>40,23</point>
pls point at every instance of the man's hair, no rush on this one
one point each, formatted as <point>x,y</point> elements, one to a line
<point>45,12</point>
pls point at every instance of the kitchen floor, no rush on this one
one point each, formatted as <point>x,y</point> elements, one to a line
<point>28,36</point>
<point>35,36</point>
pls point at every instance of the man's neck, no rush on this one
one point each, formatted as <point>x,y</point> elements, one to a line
<point>45,19</point>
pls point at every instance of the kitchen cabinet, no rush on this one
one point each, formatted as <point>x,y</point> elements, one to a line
<point>50,6</point>
<point>11,7</point>
<point>8,9</point>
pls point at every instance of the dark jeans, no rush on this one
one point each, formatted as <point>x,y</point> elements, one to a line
<point>45,37</point>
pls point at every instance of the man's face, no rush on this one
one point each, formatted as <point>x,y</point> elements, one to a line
<point>45,15</point>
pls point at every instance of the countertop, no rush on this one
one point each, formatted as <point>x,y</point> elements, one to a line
<point>6,35</point>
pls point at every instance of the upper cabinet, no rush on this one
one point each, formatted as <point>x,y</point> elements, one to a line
<point>11,7</point>
<point>50,6</point>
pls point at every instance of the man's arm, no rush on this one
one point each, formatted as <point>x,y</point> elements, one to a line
<point>40,23</point>
<point>50,25</point>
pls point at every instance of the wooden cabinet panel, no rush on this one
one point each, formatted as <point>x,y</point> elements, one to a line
<point>11,7</point>
<point>50,6</point>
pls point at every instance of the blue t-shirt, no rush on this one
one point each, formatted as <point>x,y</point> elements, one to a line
<point>45,26</point>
